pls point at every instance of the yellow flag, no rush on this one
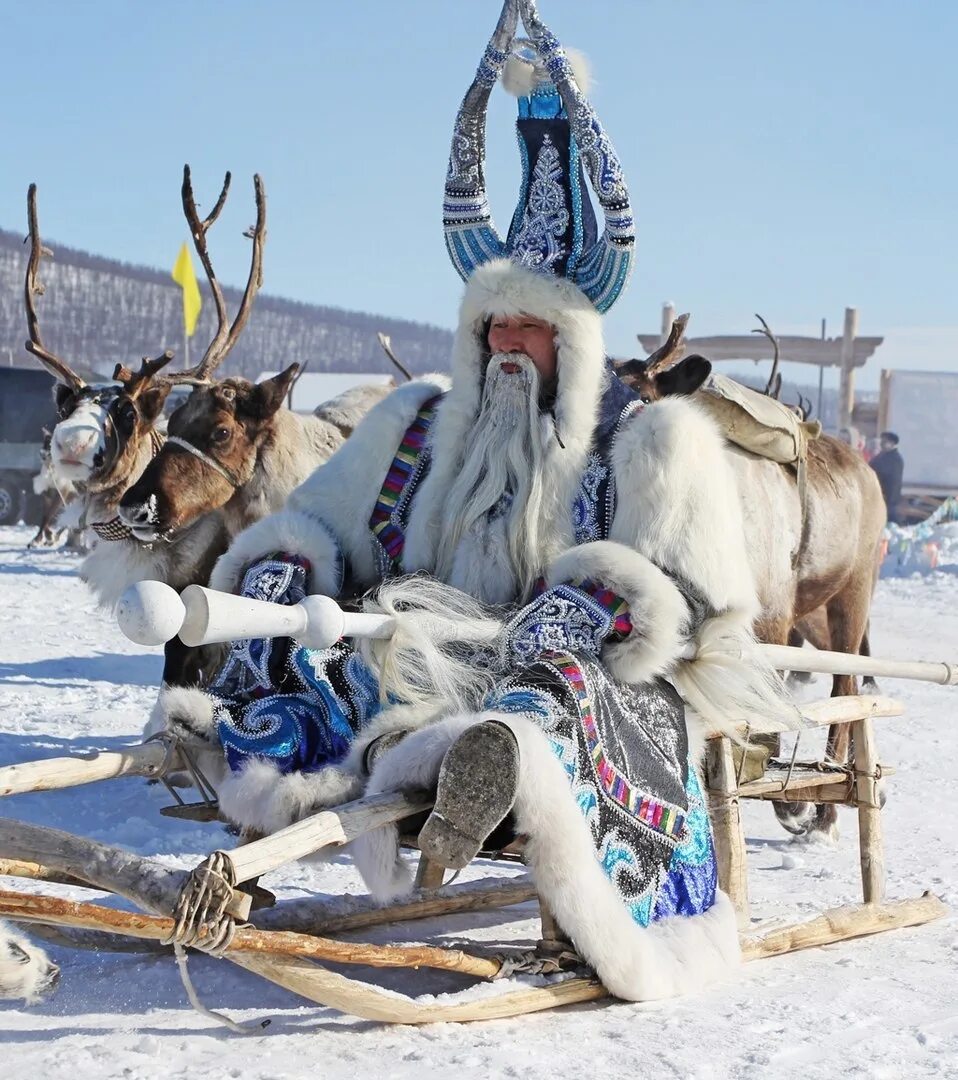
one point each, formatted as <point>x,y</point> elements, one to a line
<point>184,277</point>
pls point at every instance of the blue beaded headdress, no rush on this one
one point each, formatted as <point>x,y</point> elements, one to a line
<point>554,228</point>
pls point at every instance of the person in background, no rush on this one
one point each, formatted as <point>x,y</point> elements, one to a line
<point>889,465</point>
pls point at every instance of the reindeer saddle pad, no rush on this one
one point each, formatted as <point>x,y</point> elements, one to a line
<point>755,422</point>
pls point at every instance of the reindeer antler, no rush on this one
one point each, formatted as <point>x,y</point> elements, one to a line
<point>226,334</point>
<point>386,342</point>
<point>774,386</point>
<point>671,352</point>
<point>136,382</point>
<point>32,288</point>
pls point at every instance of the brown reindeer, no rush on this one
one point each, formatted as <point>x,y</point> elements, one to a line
<point>232,446</point>
<point>825,559</point>
<point>667,371</point>
<point>106,435</point>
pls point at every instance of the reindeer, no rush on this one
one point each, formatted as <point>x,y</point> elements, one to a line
<point>106,435</point>
<point>231,445</point>
<point>666,372</point>
<point>826,557</point>
<point>55,495</point>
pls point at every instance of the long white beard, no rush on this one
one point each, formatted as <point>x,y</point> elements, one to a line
<point>502,460</point>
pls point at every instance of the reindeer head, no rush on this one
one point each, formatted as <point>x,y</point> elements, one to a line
<point>102,425</point>
<point>666,372</point>
<point>215,436</point>
<point>214,441</point>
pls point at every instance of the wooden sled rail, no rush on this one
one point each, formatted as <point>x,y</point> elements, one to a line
<point>85,916</point>
<point>314,915</point>
<point>157,887</point>
<point>842,710</point>
<point>328,828</point>
<point>50,774</point>
<point>286,959</point>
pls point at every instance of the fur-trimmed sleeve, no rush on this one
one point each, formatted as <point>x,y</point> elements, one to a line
<point>657,610</point>
<point>326,519</point>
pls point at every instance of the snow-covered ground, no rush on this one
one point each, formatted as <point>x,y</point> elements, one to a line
<point>881,1007</point>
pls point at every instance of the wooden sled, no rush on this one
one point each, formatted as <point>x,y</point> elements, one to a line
<point>294,959</point>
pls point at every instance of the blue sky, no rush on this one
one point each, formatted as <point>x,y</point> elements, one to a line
<point>789,158</point>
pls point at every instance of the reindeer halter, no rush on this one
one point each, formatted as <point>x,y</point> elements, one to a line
<point>554,228</point>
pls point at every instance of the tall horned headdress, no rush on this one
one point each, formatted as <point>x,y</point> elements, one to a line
<point>554,228</point>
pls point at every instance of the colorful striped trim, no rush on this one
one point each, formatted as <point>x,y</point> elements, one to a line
<point>387,532</point>
<point>660,816</point>
<point>617,606</point>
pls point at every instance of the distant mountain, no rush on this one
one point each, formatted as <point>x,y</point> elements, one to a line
<point>98,312</point>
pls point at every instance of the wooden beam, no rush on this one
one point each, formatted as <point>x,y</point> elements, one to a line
<point>846,393</point>
<point>871,845</point>
<point>668,317</point>
<point>322,916</point>
<point>50,774</point>
<point>728,833</point>
<point>843,923</point>
<point>827,793</point>
<point>794,349</point>
<point>328,828</point>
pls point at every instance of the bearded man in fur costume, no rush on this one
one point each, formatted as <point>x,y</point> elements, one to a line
<point>565,544</point>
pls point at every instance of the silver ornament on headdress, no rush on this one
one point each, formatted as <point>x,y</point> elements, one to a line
<point>602,269</point>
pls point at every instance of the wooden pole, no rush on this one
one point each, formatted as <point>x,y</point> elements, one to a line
<point>50,774</point>
<point>842,923</point>
<point>846,397</point>
<point>322,917</point>
<point>25,908</point>
<point>329,828</point>
<point>789,658</point>
<point>872,851</point>
<point>429,874</point>
<point>727,824</point>
<point>821,381</point>
<point>668,317</point>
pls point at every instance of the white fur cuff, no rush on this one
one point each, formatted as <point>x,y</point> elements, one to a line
<point>186,712</point>
<point>262,798</point>
<point>292,531</point>
<point>657,608</point>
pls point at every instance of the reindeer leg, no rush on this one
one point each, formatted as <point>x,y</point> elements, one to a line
<point>794,817</point>
<point>869,685</point>
<point>847,625</point>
